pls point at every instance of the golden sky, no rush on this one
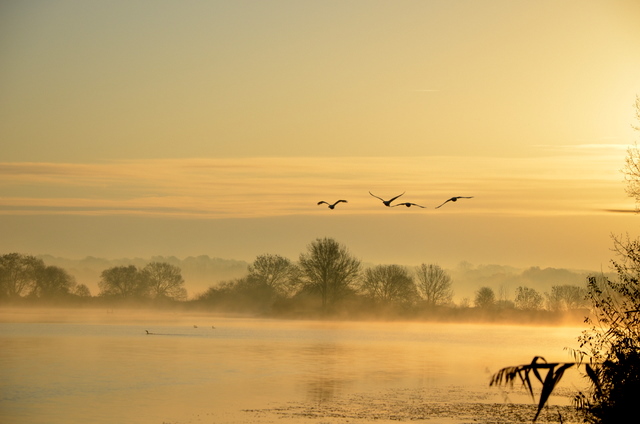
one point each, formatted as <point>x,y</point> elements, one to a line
<point>185,128</point>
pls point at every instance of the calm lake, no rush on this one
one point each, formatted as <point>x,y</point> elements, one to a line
<point>76,366</point>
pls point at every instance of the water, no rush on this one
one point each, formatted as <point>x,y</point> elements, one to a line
<point>78,366</point>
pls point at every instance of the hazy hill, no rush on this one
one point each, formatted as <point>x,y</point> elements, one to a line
<point>504,280</point>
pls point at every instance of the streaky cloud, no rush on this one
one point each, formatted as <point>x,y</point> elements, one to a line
<point>585,147</point>
<point>211,188</point>
<point>622,210</point>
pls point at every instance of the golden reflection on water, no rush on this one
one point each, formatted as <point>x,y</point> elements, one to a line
<point>103,367</point>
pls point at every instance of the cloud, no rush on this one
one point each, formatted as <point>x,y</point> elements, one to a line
<point>613,148</point>
<point>260,187</point>
<point>621,210</point>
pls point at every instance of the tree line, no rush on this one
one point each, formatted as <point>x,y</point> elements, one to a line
<point>326,279</point>
<point>25,276</point>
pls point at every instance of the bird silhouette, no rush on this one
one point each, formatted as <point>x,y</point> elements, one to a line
<point>407,204</point>
<point>331,206</point>
<point>387,203</point>
<point>455,199</point>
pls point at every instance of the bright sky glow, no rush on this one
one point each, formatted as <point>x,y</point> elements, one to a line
<point>572,183</point>
<point>203,113</point>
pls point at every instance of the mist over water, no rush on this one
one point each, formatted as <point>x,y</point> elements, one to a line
<point>103,367</point>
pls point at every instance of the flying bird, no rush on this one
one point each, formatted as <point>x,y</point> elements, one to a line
<point>455,199</point>
<point>331,206</point>
<point>407,204</point>
<point>387,203</point>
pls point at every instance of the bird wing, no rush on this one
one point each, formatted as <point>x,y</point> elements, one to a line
<point>396,197</point>
<point>376,196</point>
<point>420,206</point>
<point>344,201</point>
<point>448,200</point>
<point>321,202</point>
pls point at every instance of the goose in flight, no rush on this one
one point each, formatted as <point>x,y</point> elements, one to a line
<point>455,199</point>
<point>331,206</point>
<point>387,203</point>
<point>407,204</point>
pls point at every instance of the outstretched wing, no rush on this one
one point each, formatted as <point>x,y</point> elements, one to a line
<point>396,197</point>
<point>420,206</point>
<point>322,201</point>
<point>376,196</point>
<point>448,200</point>
<point>455,198</point>
<point>343,201</point>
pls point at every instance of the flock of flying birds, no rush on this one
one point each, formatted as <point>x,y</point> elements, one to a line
<point>388,204</point>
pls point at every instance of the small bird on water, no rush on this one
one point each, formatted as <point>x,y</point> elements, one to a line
<point>331,206</point>
<point>455,199</point>
<point>387,203</point>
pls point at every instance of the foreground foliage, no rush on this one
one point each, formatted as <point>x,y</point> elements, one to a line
<point>609,350</point>
<point>612,345</point>
<point>553,372</point>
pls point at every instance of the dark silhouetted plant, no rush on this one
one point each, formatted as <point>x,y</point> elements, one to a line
<point>610,349</point>
<point>612,344</point>
<point>548,374</point>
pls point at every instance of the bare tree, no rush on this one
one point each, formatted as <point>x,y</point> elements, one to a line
<point>277,272</point>
<point>81,290</point>
<point>566,297</point>
<point>389,284</point>
<point>52,282</point>
<point>485,298</point>
<point>164,281</point>
<point>329,269</point>
<point>631,168</point>
<point>124,282</point>
<point>434,284</point>
<point>632,173</point>
<point>528,298</point>
<point>18,274</point>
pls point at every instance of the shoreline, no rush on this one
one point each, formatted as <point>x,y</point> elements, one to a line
<point>127,313</point>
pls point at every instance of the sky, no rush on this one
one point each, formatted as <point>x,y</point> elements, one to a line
<point>142,128</point>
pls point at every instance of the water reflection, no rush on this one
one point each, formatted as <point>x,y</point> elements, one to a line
<point>325,375</point>
<point>107,372</point>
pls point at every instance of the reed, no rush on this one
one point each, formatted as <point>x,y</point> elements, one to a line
<point>547,373</point>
